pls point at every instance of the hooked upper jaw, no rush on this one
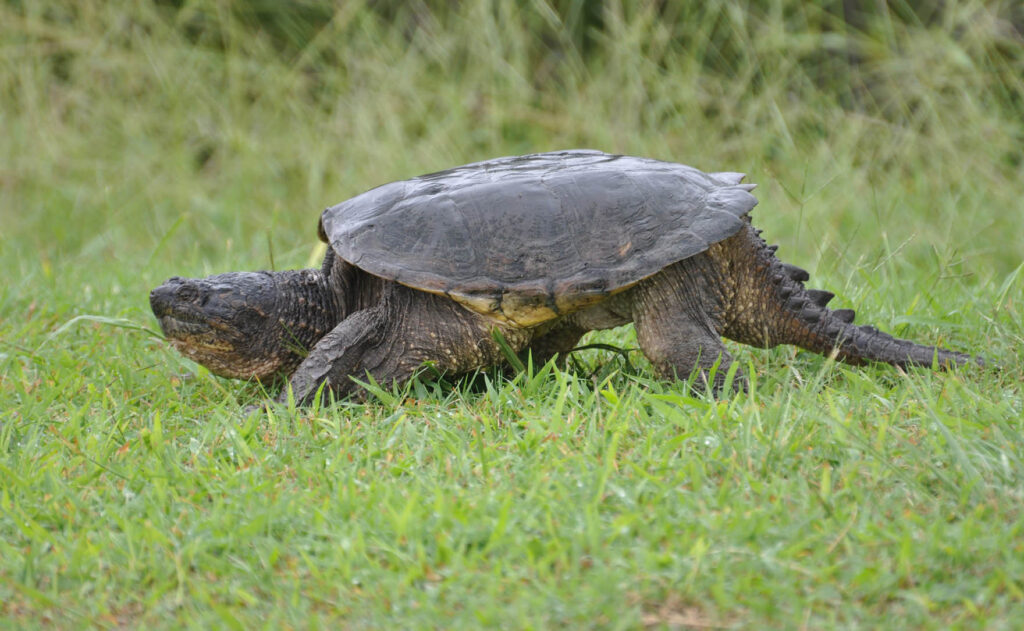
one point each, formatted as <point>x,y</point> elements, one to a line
<point>176,299</point>
<point>179,305</point>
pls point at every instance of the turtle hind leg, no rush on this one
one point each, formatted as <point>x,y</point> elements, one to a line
<point>678,336</point>
<point>392,340</point>
<point>677,347</point>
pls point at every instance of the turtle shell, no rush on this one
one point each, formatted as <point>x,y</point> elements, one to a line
<point>525,239</point>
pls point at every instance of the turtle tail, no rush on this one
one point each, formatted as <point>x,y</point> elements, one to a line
<point>800,316</point>
<point>817,328</point>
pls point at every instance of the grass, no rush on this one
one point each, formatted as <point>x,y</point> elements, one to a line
<point>147,142</point>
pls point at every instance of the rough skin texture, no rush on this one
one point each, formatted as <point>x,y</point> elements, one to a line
<point>325,327</point>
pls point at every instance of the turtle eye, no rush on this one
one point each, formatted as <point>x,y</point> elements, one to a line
<point>187,293</point>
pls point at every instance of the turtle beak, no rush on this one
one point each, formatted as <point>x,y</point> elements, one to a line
<point>161,299</point>
<point>165,298</point>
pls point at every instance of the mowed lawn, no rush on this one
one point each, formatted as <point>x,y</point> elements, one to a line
<point>147,140</point>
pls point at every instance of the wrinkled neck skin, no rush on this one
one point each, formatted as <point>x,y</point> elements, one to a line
<point>306,309</point>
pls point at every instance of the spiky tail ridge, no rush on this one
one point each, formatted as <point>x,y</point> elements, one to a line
<point>824,331</point>
<point>803,318</point>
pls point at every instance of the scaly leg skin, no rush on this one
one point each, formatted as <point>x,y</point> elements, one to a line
<point>336,356</point>
<point>676,333</point>
<point>392,340</point>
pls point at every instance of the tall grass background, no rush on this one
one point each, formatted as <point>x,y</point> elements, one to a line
<point>141,140</point>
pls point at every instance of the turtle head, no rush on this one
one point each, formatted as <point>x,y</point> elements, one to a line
<point>243,325</point>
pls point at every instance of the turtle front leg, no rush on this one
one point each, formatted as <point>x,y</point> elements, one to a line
<point>392,340</point>
<point>337,357</point>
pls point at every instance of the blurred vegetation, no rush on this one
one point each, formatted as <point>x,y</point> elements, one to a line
<point>299,104</point>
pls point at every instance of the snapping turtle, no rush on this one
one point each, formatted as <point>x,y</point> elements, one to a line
<point>542,248</point>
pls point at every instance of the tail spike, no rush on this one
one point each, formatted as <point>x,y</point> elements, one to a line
<point>728,178</point>
<point>820,297</point>
<point>844,315</point>
<point>795,272</point>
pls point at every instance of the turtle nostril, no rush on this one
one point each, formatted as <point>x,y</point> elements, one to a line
<point>161,299</point>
